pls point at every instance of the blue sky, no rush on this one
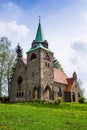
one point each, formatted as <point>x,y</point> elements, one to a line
<point>64,24</point>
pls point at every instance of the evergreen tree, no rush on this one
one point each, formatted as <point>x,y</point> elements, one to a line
<point>19,51</point>
<point>57,64</point>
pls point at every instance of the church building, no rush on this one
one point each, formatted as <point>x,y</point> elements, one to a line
<point>35,77</point>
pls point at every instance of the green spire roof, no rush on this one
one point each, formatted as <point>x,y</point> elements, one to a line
<point>39,35</point>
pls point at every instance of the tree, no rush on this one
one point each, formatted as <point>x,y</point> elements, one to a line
<point>82,89</point>
<point>10,65</point>
<point>82,100</point>
<point>6,62</point>
<point>57,64</point>
<point>19,51</point>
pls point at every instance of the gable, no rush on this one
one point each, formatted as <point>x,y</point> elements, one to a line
<point>24,60</point>
<point>72,84</point>
<point>60,76</point>
<point>19,68</point>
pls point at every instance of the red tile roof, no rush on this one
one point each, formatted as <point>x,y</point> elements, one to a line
<point>70,80</point>
<point>70,84</point>
<point>60,76</point>
<point>68,89</point>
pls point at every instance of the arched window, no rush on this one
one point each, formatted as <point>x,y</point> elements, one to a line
<point>47,93</point>
<point>35,93</point>
<point>19,80</point>
<point>47,64</point>
<point>46,56</point>
<point>78,94</point>
<point>59,92</point>
<point>73,97</point>
<point>19,94</point>
<point>33,56</point>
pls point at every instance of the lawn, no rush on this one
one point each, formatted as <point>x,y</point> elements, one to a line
<point>37,116</point>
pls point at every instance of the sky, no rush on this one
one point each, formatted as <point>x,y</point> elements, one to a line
<point>64,24</point>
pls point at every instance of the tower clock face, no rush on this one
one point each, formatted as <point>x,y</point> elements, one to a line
<point>19,80</point>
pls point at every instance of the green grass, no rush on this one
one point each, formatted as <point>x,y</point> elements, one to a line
<point>37,116</point>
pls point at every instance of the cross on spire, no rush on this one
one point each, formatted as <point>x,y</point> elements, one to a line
<point>39,18</point>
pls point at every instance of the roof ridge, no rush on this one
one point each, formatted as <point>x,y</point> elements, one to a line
<point>61,71</point>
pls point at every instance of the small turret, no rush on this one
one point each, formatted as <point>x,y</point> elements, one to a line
<point>74,76</point>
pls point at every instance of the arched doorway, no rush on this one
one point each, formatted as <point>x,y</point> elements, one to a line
<point>78,95</point>
<point>35,93</point>
<point>47,93</point>
<point>59,92</point>
<point>73,97</point>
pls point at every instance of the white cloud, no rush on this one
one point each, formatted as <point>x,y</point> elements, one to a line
<point>73,57</point>
<point>79,46</point>
<point>12,22</point>
<point>80,52</point>
<point>78,60</point>
<point>85,16</point>
<point>10,5</point>
<point>10,11</point>
<point>14,31</point>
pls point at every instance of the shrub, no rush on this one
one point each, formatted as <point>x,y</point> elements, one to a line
<point>59,100</point>
<point>40,101</point>
<point>82,100</point>
<point>4,99</point>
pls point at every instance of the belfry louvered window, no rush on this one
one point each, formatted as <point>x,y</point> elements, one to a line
<point>33,56</point>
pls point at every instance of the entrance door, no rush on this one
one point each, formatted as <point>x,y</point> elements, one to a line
<point>47,93</point>
<point>35,93</point>
<point>73,97</point>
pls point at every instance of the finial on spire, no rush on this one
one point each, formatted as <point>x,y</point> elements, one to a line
<point>39,18</point>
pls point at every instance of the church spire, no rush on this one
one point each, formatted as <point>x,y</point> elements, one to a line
<point>39,35</point>
<point>39,41</point>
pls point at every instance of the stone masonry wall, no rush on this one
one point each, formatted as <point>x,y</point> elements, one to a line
<point>47,74</point>
<point>33,73</point>
<point>14,87</point>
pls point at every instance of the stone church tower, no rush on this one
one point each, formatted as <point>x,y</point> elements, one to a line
<point>40,66</point>
<point>36,78</point>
